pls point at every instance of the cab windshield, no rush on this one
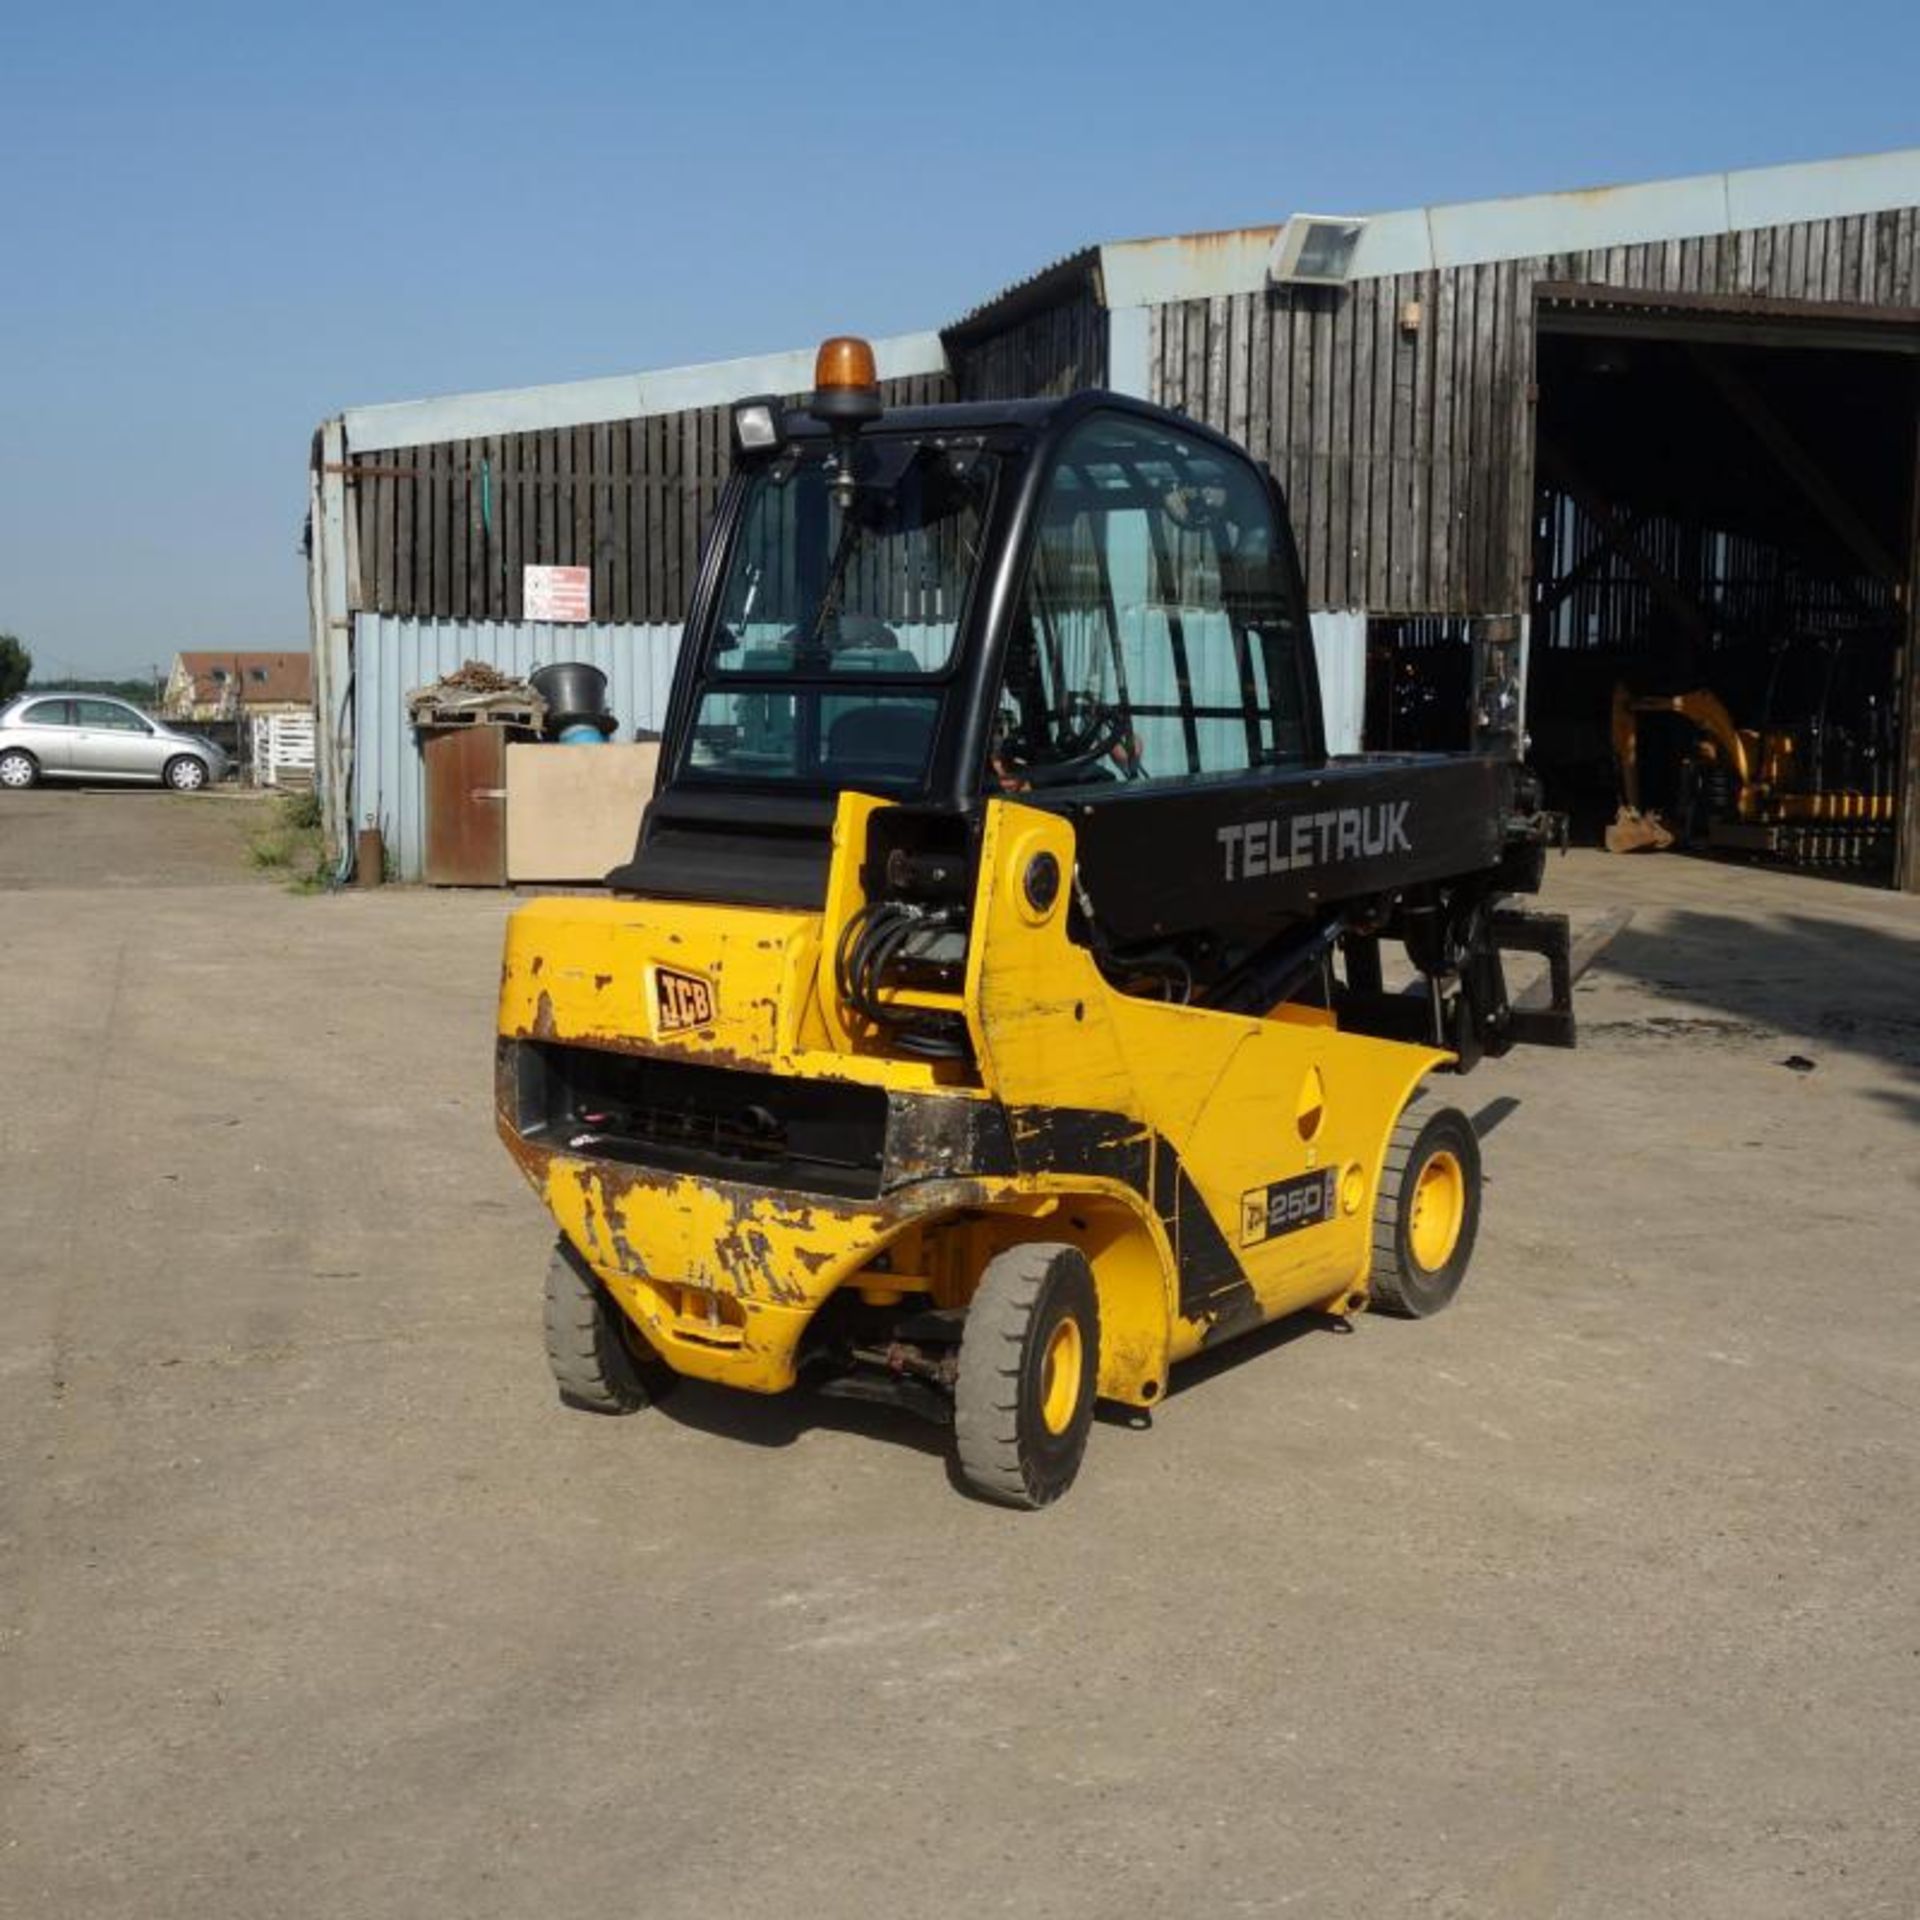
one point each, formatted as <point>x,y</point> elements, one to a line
<point>839,614</point>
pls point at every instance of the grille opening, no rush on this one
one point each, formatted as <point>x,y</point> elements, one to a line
<point>815,1135</point>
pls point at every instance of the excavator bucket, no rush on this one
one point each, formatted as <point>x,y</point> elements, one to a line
<point>1635,832</point>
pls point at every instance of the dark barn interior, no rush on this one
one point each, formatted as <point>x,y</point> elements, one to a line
<point>1724,506</point>
<point>1419,683</point>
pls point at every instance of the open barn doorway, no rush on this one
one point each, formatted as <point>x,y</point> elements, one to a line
<point>1724,541</point>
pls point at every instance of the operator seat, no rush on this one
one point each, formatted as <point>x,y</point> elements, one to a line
<point>881,738</point>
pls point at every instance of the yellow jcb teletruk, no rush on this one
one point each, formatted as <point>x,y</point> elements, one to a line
<point>992,1014</point>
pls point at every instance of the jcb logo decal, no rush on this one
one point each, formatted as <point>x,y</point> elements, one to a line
<point>681,1000</point>
<point>1287,1206</point>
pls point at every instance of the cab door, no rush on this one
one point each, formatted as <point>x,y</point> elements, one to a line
<point>112,742</point>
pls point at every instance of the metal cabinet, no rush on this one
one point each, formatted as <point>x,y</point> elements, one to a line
<point>466,793</point>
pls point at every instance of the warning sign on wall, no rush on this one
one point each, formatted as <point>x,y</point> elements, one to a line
<point>557,593</point>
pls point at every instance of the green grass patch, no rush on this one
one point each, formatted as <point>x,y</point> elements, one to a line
<point>292,842</point>
<point>300,812</point>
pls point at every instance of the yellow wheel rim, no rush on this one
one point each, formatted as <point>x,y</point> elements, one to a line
<point>1060,1369</point>
<point>1439,1208</point>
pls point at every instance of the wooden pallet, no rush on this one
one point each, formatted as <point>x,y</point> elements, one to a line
<point>427,715</point>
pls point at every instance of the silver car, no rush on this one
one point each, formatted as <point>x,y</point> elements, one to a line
<point>84,736</point>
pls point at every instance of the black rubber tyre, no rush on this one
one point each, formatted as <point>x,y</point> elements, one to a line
<point>184,773</point>
<point>600,1362</point>
<point>1029,1367</point>
<point>1426,1213</point>
<point>18,770</point>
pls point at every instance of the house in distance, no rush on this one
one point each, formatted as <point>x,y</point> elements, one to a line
<point>257,705</point>
<point>206,687</point>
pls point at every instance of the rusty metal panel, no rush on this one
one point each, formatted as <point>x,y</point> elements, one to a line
<point>1187,266</point>
<point>1663,312</point>
<point>466,819</point>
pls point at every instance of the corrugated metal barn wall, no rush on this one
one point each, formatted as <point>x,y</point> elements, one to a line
<point>1406,453</point>
<point>393,655</point>
<point>436,539</point>
<point>1340,653</point>
<point>443,531</point>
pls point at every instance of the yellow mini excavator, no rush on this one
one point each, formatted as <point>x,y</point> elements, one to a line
<point>1747,790</point>
<point>992,1015</point>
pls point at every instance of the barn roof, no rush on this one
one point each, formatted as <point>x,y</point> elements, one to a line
<point>1138,273</point>
<point>624,396</point>
<point>1068,274</point>
<point>1198,266</point>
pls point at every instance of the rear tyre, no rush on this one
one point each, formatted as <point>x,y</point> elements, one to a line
<point>1029,1363</point>
<point>1426,1213</point>
<point>600,1360</point>
<point>185,774</point>
<point>18,769</point>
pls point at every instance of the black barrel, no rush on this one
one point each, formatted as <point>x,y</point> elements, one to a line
<point>572,689</point>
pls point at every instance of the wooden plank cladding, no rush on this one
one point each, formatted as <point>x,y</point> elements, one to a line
<point>1397,413</point>
<point>1043,355</point>
<point>444,531</point>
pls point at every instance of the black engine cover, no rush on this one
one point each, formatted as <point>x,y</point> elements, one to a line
<point>1248,854</point>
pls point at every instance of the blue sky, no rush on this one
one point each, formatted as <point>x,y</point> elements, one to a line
<point>220,223</point>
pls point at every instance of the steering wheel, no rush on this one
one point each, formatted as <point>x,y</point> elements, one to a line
<point>1088,730</point>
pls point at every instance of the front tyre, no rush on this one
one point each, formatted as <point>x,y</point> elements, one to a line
<point>1029,1363</point>
<point>1426,1213</point>
<point>18,769</point>
<point>185,774</point>
<point>601,1362</point>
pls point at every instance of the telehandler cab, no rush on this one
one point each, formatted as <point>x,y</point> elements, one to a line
<point>992,1013</point>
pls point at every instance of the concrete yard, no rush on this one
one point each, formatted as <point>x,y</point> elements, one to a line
<point>1596,1596</point>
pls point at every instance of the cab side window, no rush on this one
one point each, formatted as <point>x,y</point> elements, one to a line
<point>1158,637</point>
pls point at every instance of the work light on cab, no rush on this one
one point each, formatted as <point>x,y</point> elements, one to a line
<point>756,425</point>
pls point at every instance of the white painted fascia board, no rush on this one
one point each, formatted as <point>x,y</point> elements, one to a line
<point>1823,189</point>
<point>1536,224</point>
<point>1391,243</point>
<point>1528,226</point>
<point>627,396</point>
<point>1193,266</point>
